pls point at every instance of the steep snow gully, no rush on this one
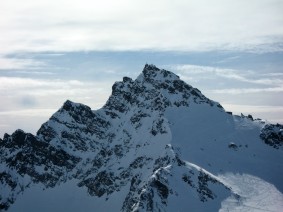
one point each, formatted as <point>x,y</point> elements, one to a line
<point>158,144</point>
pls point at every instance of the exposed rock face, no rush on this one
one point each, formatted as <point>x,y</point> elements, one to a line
<point>272,134</point>
<point>125,144</point>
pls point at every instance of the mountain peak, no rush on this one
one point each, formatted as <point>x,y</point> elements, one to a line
<point>158,144</point>
<point>151,72</point>
<point>156,89</point>
<point>150,67</point>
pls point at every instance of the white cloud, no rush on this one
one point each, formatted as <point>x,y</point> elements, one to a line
<point>250,77</point>
<point>20,63</point>
<point>16,83</point>
<point>60,25</point>
<point>29,113</point>
<point>246,90</point>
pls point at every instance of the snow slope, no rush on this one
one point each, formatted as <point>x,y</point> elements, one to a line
<point>157,144</point>
<point>256,194</point>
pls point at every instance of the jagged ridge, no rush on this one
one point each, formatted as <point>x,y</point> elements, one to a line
<point>125,143</point>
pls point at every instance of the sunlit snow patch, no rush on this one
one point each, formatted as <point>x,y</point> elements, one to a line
<point>256,194</point>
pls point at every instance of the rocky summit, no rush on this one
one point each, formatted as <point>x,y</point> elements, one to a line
<point>158,144</point>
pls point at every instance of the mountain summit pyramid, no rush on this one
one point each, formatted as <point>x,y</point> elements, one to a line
<point>158,144</point>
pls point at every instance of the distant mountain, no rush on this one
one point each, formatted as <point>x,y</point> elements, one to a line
<point>158,144</point>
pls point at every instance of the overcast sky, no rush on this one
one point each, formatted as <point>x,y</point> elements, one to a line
<point>53,50</point>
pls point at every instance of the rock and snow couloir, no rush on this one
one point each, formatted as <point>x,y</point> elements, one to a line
<point>158,144</point>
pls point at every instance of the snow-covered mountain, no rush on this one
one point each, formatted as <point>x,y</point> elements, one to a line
<point>158,144</point>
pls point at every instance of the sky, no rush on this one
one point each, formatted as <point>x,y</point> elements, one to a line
<point>53,50</point>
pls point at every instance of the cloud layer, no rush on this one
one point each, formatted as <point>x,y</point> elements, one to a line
<point>197,25</point>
